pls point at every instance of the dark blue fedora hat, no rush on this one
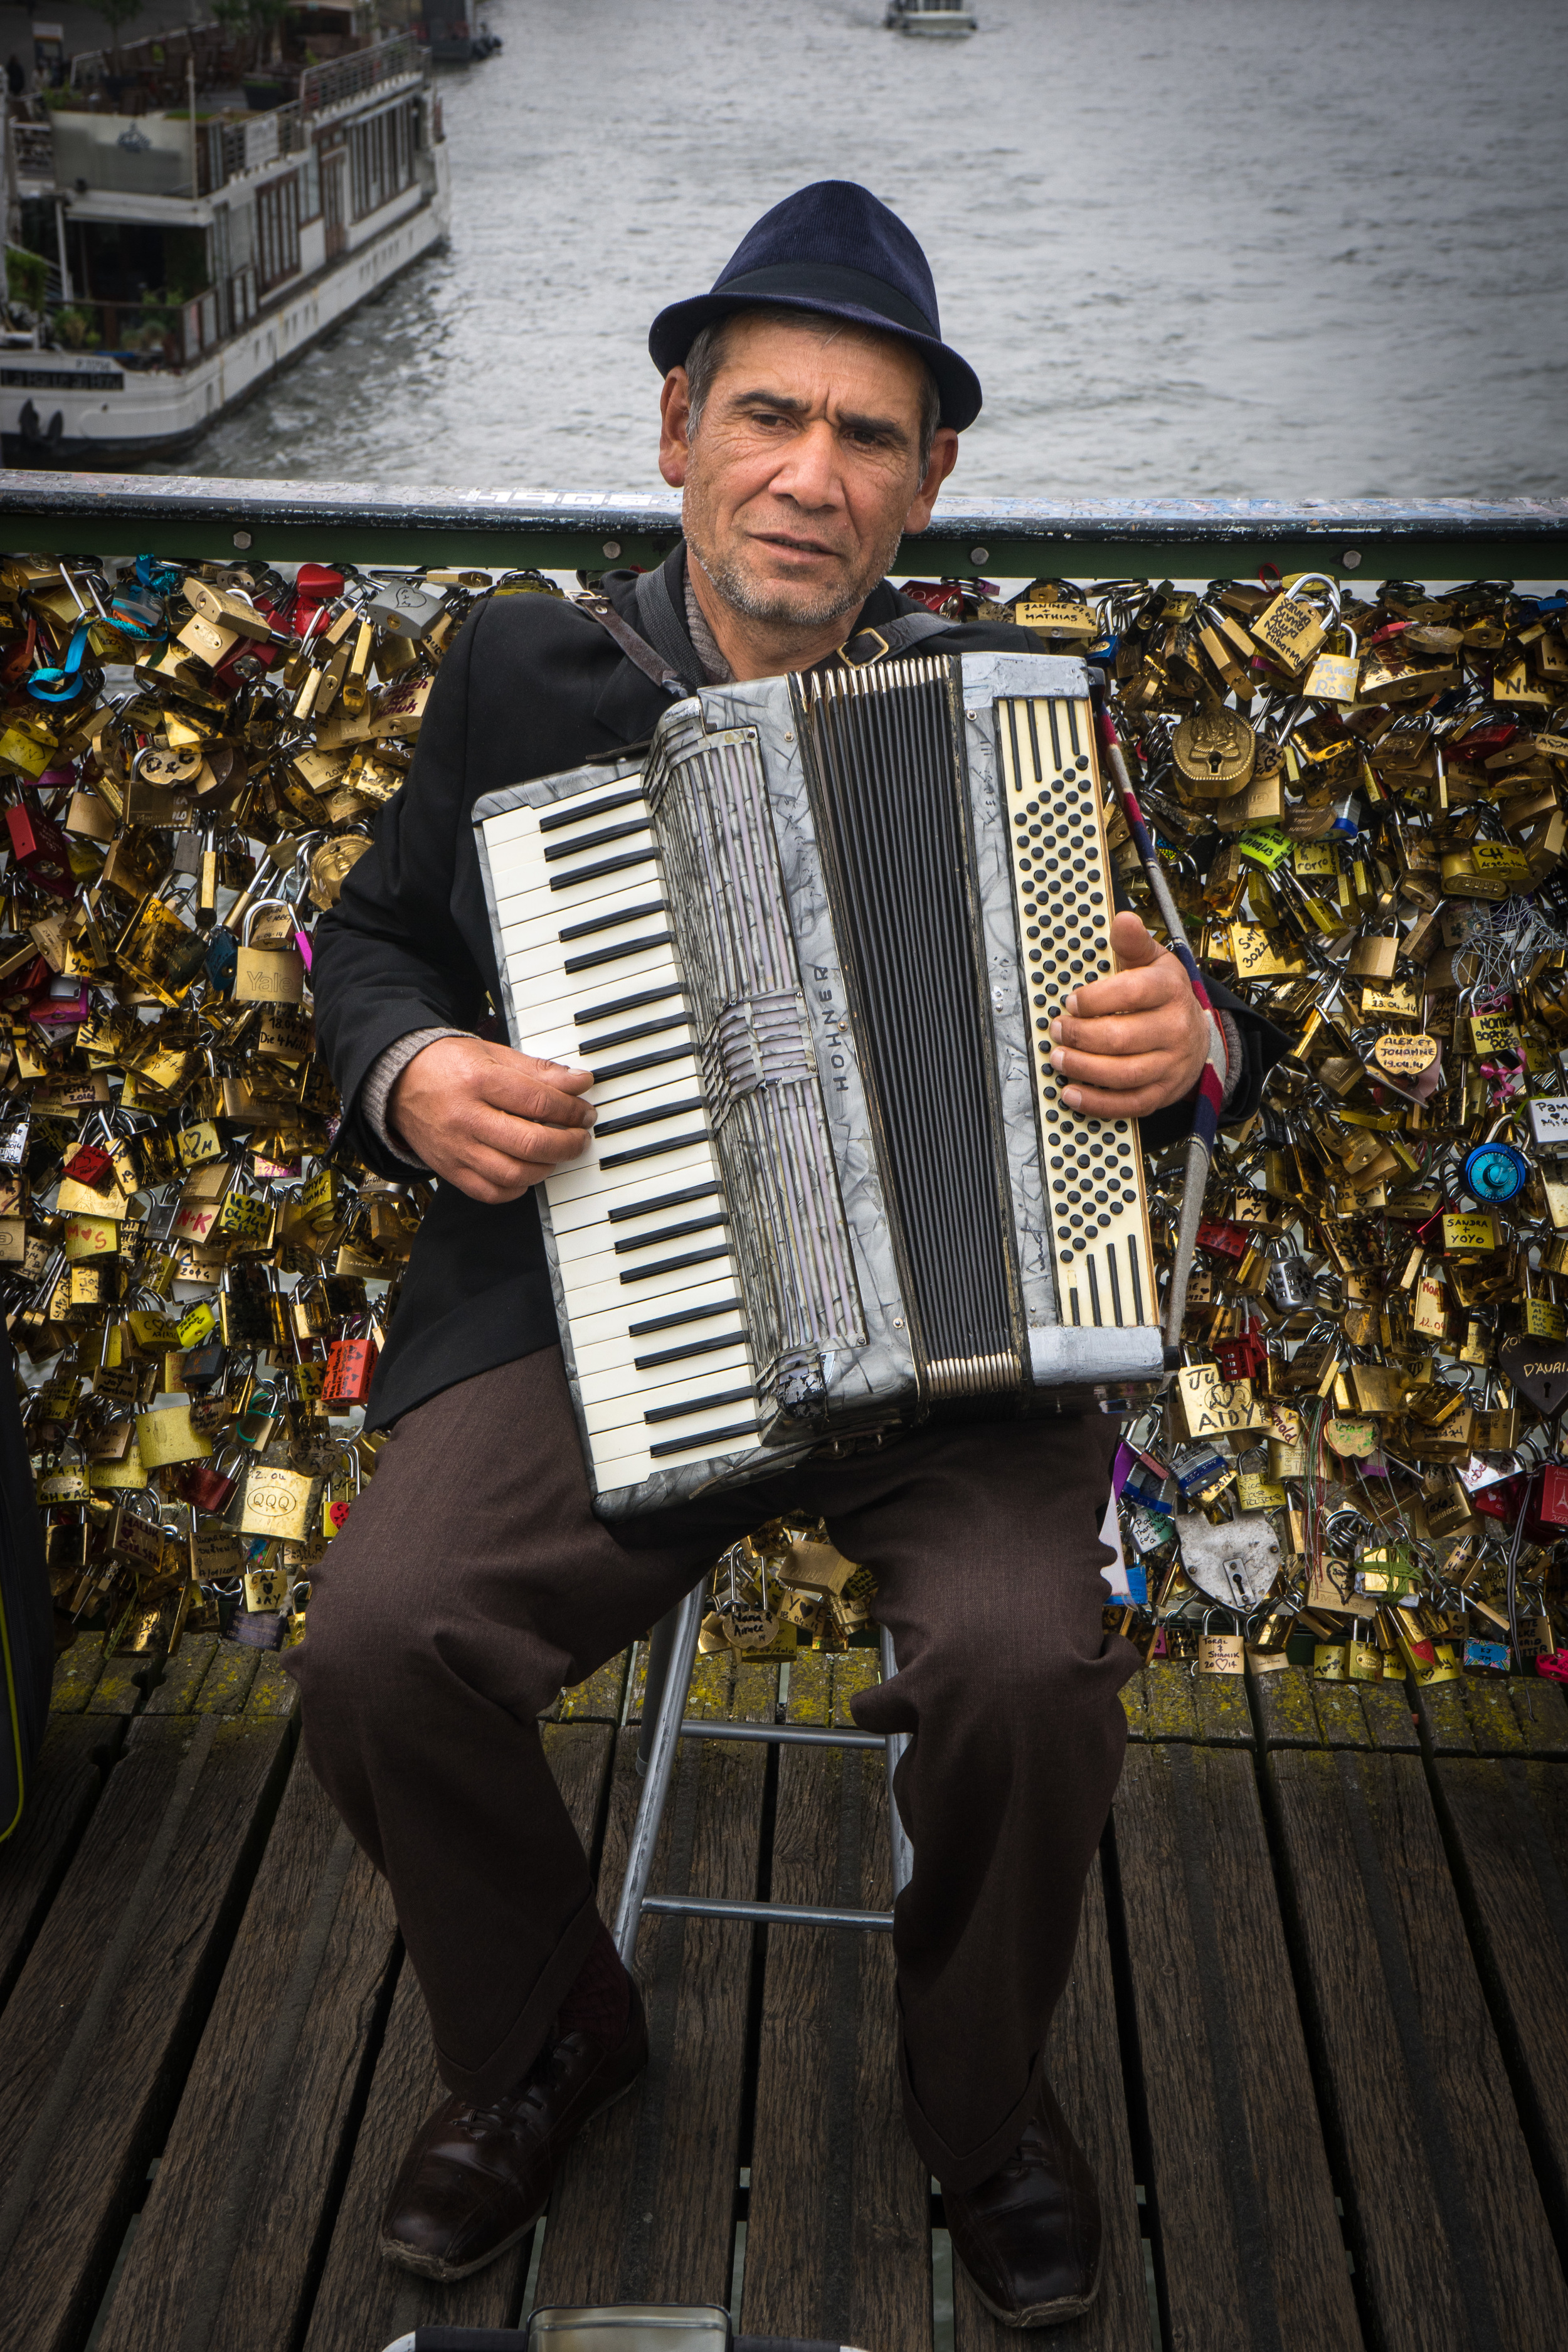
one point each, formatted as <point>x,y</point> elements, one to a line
<point>830,247</point>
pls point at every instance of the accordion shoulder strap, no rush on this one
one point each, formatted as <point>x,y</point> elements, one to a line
<point>896,637</point>
<point>636,649</point>
<point>867,645</point>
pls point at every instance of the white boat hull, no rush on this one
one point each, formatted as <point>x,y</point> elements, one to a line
<point>154,411</point>
<point>933,24</point>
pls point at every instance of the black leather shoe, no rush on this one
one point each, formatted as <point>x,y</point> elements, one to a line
<point>1029,2236</point>
<point>478,2179</point>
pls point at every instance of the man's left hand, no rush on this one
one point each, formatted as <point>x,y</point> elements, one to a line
<point>1129,1044</point>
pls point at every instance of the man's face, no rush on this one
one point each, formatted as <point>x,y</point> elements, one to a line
<point>804,469</point>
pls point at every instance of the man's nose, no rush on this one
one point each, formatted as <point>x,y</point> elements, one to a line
<point>809,474</point>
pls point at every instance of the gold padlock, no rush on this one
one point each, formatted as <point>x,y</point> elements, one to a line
<point>1333,677</point>
<point>277,1502</point>
<point>167,1437</point>
<point>1220,1654</point>
<point>1289,631</point>
<point>267,975</point>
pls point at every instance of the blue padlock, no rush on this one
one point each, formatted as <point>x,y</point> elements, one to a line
<point>1496,1172</point>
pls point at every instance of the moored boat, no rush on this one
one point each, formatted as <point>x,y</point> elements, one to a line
<point>184,256</point>
<point>932,19</point>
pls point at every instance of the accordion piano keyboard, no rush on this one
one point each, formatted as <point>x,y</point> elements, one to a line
<point>664,1365</point>
<point>1061,875</point>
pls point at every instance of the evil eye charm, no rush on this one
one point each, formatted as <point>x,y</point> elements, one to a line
<point>1496,1171</point>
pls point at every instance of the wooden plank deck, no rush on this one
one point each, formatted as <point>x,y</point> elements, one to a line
<point>1312,2043</point>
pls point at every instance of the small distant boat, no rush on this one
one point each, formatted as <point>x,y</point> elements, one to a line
<point>935,19</point>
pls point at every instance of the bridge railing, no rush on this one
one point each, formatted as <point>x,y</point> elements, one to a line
<point>201,518</point>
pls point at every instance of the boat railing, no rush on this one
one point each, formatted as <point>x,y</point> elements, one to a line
<point>196,519</point>
<point>131,337</point>
<point>32,149</point>
<point>225,147</point>
<point>341,79</point>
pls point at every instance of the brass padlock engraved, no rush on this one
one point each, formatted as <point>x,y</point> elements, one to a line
<point>267,975</point>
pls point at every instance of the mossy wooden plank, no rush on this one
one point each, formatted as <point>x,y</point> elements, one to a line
<point>97,2038</point>
<point>1540,1711</point>
<point>1509,1817</point>
<point>364,2304</point>
<point>1390,1717</point>
<point>1340,1716</point>
<point>225,1686</point>
<point>1135,1706</point>
<point>1224,1719</point>
<point>1084,2062</point>
<point>224,2253</point>
<point>1444,1717</point>
<point>712,1681</point>
<point>598,1699</point>
<point>645,2205</point>
<point>1286,1705</point>
<point>182,1676</point>
<point>837,2238</point>
<point>853,1671</point>
<point>1173,1707</point>
<point>1239,2176</point>
<point>121,1687</point>
<point>1494,1726</point>
<point>1461,2258</point>
<point>76,1675</point>
<point>810,1689</point>
<point>274,1693</point>
<point>60,1792</point>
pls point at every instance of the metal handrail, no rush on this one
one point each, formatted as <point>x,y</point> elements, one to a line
<point>340,78</point>
<point>203,517</point>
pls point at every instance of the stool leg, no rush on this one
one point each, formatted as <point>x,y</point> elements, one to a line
<point>897,1742</point>
<point>660,1764</point>
<point>660,1642</point>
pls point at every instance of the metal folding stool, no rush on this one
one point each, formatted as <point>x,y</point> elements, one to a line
<point>672,1653</point>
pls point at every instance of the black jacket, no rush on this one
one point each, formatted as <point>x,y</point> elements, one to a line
<point>531,686</point>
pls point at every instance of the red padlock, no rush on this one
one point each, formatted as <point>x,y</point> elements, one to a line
<point>1552,1506</point>
<point>351,1365</point>
<point>1224,1240</point>
<point>40,848</point>
<point>205,1484</point>
<point>1241,1359</point>
<point>1501,1500</point>
<point>87,1163</point>
<point>314,584</point>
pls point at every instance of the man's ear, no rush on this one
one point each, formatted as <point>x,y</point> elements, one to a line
<point>943,458</point>
<point>675,428</point>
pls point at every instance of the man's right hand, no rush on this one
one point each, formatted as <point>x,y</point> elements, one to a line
<point>490,1121</point>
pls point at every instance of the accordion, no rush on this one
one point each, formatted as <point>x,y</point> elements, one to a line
<point>811,949</point>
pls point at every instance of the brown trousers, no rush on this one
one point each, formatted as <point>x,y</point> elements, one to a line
<point>472,1581</point>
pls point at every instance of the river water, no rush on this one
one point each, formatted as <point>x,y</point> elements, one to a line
<point>1255,247</point>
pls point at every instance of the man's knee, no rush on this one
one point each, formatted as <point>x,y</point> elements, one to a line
<point>1030,1677</point>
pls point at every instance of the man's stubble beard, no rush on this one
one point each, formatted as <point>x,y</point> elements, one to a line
<point>777,605</point>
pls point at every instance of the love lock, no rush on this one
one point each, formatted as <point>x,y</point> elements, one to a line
<point>154,764</point>
<point>1236,1563</point>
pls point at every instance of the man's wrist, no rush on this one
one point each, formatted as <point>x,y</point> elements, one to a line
<point>375,1093</point>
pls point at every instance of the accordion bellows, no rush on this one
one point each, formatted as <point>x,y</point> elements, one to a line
<point>812,952</point>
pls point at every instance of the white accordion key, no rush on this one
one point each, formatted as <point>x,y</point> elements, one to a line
<point>649,1282</point>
